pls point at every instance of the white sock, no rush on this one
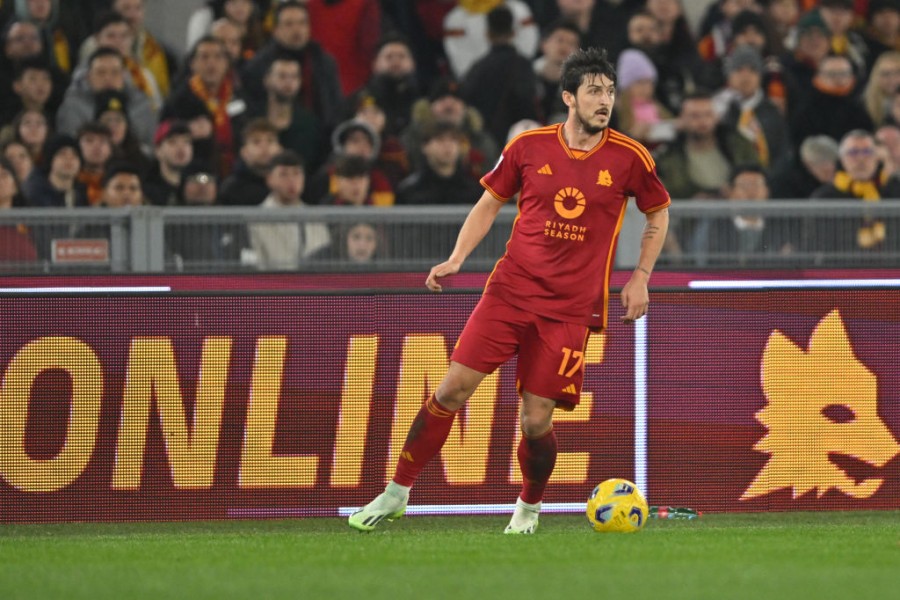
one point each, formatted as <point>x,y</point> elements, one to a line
<point>536,507</point>
<point>395,489</point>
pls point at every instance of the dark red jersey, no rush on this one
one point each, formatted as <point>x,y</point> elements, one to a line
<point>571,205</point>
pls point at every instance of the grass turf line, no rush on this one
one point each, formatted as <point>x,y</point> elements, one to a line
<point>772,555</point>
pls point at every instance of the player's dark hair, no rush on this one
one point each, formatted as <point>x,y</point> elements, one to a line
<point>585,63</point>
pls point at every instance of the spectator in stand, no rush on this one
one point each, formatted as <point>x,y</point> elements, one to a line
<point>560,39</point>
<point>812,45</point>
<point>861,177</point>
<point>31,128</point>
<point>812,166</point>
<point>112,30</point>
<point>884,80</point>
<point>148,52</point>
<point>442,179</point>
<point>320,91</point>
<point>838,16</point>
<point>782,17</point>
<point>45,15</point>
<point>245,15</point>
<point>354,42</point>
<point>392,159</point>
<point>353,138</point>
<point>747,239</point>
<point>174,152</point>
<point>698,164</point>
<point>112,112</point>
<point>717,28</point>
<point>122,186</point>
<point>285,246</point>
<point>749,28</point>
<point>882,33</point>
<point>663,34</point>
<point>640,114</point>
<point>393,82</point>
<point>833,107</point>
<point>465,32</point>
<point>743,105</point>
<point>298,129</point>
<point>55,183</point>
<point>229,34</point>
<point>352,182</point>
<point>247,185</point>
<point>360,244</point>
<point>214,110</point>
<point>16,247</point>
<point>105,72</point>
<point>502,84</point>
<point>600,23</point>
<point>887,142</point>
<point>193,247</point>
<point>445,103</point>
<point>32,88</point>
<point>22,41</point>
<point>95,145</point>
<point>18,156</point>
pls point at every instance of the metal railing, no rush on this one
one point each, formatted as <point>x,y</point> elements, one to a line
<point>703,233</point>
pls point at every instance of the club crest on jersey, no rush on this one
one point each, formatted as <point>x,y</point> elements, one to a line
<point>604,178</point>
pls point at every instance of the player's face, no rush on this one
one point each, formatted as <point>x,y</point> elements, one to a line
<point>593,103</point>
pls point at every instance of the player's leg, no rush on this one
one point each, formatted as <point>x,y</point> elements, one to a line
<point>486,342</point>
<point>425,439</point>
<point>550,373</point>
<point>537,457</point>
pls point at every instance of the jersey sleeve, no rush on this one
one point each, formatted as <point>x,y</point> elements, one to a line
<point>648,190</point>
<point>504,180</point>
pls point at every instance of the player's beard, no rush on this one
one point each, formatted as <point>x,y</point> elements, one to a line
<point>585,125</point>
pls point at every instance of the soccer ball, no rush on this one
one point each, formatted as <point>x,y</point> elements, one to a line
<point>617,505</point>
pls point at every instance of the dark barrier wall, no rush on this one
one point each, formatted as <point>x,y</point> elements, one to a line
<point>197,407</point>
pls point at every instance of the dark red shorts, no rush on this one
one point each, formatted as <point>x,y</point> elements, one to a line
<point>551,353</point>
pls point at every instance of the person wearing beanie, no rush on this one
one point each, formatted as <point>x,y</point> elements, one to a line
<point>353,138</point>
<point>445,103</point>
<point>111,110</point>
<point>641,115</point>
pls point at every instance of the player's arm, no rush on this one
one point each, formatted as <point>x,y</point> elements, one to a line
<point>635,295</point>
<point>476,226</point>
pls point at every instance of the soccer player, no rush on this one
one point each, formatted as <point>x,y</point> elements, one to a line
<point>550,289</point>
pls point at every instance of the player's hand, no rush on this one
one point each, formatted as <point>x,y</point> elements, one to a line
<point>635,298</point>
<point>439,272</point>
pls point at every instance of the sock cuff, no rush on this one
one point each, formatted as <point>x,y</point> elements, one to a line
<point>437,409</point>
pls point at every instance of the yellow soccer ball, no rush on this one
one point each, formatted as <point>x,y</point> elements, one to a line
<point>617,505</point>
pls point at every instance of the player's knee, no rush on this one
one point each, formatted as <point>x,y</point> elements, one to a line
<point>535,425</point>
<point>453,395</point>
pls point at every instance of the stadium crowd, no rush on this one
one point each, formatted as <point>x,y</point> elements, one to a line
<point>393,102</point>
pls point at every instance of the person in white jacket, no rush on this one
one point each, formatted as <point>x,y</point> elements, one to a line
<point>289,243</point>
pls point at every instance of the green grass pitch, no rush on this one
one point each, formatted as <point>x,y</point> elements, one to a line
<point>760,556</point>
